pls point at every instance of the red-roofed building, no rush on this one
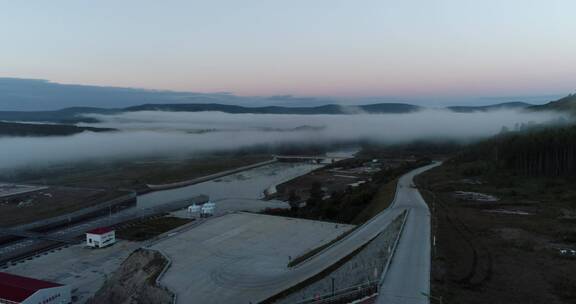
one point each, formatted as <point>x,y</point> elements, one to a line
<point>100,237</point>
<point>16,289</point>
<point>101,230</point>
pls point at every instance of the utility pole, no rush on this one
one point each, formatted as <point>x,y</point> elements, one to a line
<point>430,297</point>
<point>110,216</point>
<point>333,291</point>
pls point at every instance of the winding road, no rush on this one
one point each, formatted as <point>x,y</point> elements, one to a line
<point>407,280</point>
<point>237,279</point>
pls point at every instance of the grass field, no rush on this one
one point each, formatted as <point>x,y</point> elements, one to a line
<point>132,174</point>
<point>49,203</point>
<point>149,228</point>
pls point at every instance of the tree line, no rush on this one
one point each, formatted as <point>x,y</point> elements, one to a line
<point>540,151</point>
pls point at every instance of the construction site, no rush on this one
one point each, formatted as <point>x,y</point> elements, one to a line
<point>208,240</point>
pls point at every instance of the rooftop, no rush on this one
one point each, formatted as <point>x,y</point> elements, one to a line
<point>100,230</point>
<point>17,289</point>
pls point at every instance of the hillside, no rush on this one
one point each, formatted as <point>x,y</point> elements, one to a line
<point>325,109</point>
<point>500,106</point>
<point>74,115</point>
<point>64,116</point>
<point>566,104</point>
<point>538,151</point>
<point>25,129</point>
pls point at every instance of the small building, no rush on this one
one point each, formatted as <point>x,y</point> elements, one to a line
<point>100,237</point>
<point>208,209</point>
<point>16,289</point>
<point>194,210</point>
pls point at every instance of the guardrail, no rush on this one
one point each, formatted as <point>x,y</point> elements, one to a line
<point>345,295</point>
<point>349,294</point>
<point>393,250</point>
<point>355,229</point>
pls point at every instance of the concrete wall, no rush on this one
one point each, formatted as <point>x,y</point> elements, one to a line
<point>56,295</point>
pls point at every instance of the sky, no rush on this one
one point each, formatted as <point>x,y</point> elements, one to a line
<point>355,48</point>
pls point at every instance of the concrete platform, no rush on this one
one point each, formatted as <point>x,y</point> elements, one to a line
<point>82,268</point>
<point>234,258</point>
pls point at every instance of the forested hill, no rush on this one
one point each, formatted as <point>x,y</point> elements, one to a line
<point>326,109</point>
<point>64,116</point>
<point>540,151</point>
<point>23,129</point>
<point>495,107</point>
<point>566,104</point>
<point>75,114</point>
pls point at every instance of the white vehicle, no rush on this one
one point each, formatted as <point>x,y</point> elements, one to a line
<point>208,209</point>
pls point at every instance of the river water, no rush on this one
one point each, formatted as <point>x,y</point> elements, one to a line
<point>242,186</point>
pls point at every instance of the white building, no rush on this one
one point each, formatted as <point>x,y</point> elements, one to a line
<point>22,290</point>
<point>100,237</point>
<point>194,209</point>
<point>208,209</point>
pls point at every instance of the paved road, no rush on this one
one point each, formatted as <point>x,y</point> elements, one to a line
<point>409,273</point>
<point>70,233</point>
<point>239,284</point>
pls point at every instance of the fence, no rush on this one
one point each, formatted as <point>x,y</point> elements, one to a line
<point>346,295</point>
<point>350,294</point>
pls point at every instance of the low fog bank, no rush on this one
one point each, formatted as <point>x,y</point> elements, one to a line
<point>151,133</point>
<point>384,127</point>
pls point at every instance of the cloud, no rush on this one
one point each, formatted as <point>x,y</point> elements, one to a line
<point>150,133</point>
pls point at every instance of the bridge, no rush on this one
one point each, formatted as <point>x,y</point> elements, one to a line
<point>318,159</point>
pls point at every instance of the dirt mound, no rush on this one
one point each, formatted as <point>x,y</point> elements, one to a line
<point>134,281</point>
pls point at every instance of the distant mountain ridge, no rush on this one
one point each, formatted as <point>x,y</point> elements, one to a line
<point>74,114</point>
<point>565,104</point>
<point>64,116</point>
<point>29,129</point>
<point>500,106</point>
<point>325,109</point>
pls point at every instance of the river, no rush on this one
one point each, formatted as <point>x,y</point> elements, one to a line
<point>243,186</point>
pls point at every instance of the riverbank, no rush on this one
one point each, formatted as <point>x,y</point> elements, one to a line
<point>208,177</point>
<point>131,174</point>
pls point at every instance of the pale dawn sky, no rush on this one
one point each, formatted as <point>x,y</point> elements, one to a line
<point>355,48</point>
